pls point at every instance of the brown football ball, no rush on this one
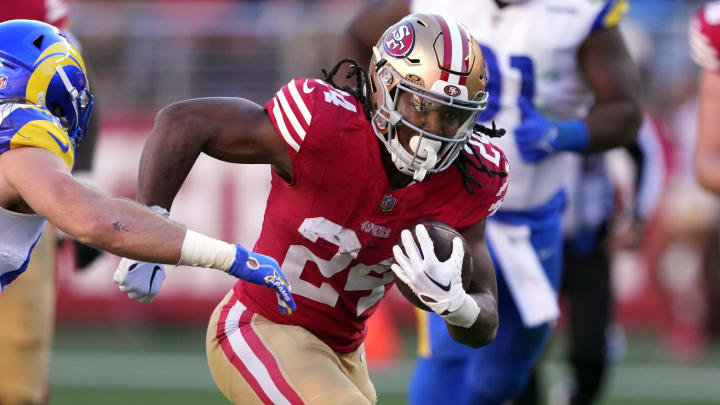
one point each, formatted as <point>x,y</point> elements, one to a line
<point>442,236</point>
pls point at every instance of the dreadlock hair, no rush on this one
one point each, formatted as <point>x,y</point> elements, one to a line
<point>463,160</point>
<point>362,93</point>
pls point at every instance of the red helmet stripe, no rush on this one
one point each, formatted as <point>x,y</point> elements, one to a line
<point>455,51</point>
<point>447,47</point>
<point>456,64</point>
<point>465,56</point>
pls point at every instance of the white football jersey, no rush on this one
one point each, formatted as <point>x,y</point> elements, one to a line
<point>18,235</point>
<point>531,50</point>
<point>25,125</point>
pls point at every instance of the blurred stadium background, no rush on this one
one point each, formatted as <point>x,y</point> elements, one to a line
<point>146,54</point>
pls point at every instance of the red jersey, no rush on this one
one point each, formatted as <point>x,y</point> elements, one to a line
<point>53,12</point>
<point>705,37</point>
<point>332,229</point>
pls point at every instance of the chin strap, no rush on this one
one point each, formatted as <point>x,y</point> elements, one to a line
<point>425,149</point>
<point>430,161</point>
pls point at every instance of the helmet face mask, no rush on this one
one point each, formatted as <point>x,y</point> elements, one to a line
<point>428,82</point>
<point>40,65</point>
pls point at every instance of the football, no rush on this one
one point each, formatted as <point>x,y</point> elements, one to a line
<point>442,236</point>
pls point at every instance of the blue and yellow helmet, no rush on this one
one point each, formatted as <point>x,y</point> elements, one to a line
<point>39,64</point>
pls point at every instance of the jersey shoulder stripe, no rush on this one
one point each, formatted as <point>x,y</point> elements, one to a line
<point>32,126</point>
<point>610,15</point>
<point>305,103</point>
<point>291,110</point>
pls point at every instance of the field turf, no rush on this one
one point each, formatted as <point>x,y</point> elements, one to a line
<point>161,366</point>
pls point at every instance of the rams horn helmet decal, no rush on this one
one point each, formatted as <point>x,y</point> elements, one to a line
<point>39,64</point>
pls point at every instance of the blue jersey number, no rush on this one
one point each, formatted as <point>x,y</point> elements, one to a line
<point>527,73</point>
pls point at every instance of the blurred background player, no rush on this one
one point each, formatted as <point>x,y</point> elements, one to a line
<point>586,285</point>
<point>351,169</point>
<point>45,109</point>
<point>567,60</point>
<point>609,201</point>
<point>684,231</point>
<point>705,50</point>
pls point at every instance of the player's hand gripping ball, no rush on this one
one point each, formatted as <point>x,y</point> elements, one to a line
<point>432,275</point>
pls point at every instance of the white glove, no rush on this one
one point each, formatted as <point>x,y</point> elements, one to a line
<point>141,281</point>
<point>437,284</point>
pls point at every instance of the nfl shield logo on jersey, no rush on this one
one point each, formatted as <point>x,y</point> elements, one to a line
<point>3,82</point>
<point>387,203</point>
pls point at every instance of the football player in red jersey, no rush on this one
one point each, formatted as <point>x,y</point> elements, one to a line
<point>351,169</point>
<point>705,50</point>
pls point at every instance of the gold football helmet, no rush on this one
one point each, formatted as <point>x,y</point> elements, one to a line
<point>435,63</point>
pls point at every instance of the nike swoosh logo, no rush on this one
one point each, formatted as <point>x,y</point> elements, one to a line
<point>155,270</point>
<point>307,89</point>
<point>63,146</point>
<point>442,287</point>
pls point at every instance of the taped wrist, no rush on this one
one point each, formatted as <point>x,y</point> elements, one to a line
<point>465,315</point>
<point>159,210</point>
<point>199,250</point>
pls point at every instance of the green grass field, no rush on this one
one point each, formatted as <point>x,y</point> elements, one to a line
<point>161,366</point>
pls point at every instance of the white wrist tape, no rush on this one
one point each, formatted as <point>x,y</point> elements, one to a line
<point>465,315</point>
<point>160,210</point>
<point>199,250</point>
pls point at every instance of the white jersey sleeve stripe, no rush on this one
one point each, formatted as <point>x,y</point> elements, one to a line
<point>56,11</point>
<point>701,50</point>
<point>280,122</point>
<point>299,101</point>
<point>288,112</point>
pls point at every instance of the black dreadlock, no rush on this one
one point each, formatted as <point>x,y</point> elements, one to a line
<point>463,160</point>
<point>362,93</point>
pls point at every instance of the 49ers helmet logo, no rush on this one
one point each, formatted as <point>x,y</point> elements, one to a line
<point>399,40</point>
<point>452,91</point>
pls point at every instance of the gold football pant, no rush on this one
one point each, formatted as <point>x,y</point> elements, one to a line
<point>258,362</point>
<point>27,316</point>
